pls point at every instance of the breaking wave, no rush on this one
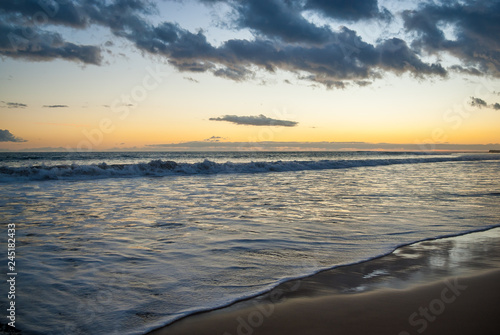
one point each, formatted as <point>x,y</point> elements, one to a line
<point>160,168</point>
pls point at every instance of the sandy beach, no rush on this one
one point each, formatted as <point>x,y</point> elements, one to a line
<point>405,292</point>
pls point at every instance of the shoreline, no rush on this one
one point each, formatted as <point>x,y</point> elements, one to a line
<point>408,274</point>
<point>463,305</point>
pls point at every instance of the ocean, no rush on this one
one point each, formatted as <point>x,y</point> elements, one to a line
<point>122,243</point>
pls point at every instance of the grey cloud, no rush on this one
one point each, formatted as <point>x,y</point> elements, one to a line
<point>43,46</point>
<point>55,106</point>
<point>55,12</point>
<point>351,10</point>
<point>477,102</point>
<point>20,37</point>
<point>398,57</point>
<point>284,38</point>
<point>238,73</point>
<point>475,24</point>
<point>214,139</point>
<point>259,120</point>
<point>466,70</point>
<point>345,57</point>
<point>14,104</point>
<point>363,83</point>
<point>191,79</point>
<point>278,18</point>
<point>6,136</point>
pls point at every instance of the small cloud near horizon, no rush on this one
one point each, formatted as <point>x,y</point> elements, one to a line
<point>55,106</point>
<point>191,79</point>
<point>214,139</point>
<point>260,120</point>
<point>7,136</point>
<point>13,104</point>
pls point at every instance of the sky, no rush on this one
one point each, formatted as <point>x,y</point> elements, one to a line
<point>249,75</point>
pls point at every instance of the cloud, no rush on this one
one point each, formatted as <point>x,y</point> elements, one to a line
<point>342,55</point>
<point>56,12</point>
<point>21,38</point>
<point>55,106</point>
<point>477,102</point>
<point>13,104</point>
<point>40,45</point>
<point>472,71</point>
<point>259,120</point>
<point>6,136</point>
<point>278,18</point>
<point>396,56</point>
<point>351,10</point>
<point>474,24</point>
<point>191,79</point>
<point>284,37</point>
<point>214,139</point>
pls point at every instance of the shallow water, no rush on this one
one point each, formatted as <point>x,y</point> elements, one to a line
<point>125,255</point>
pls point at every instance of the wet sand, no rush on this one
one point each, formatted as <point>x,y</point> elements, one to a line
<point>444,286</point>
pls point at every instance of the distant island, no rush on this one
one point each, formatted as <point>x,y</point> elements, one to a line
<point>494,151</point>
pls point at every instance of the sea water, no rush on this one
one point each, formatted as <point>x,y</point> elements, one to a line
<point>121,243</point>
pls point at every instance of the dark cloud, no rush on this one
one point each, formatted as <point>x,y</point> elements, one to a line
<point>343,55</point>
<point>21,37</point>
<point>13,104</point>
<point>284,39</point>
<point>346,10</point>
<point>396,56</point>
<point>42,11</point>
<point>470,70</point>
<point>55,106</point>
<point>278,18</point>
<point>351,10</point>
<point>191,79</point>
<point>474,23</point>
<point>6,136</point>
<point>477,102</point>
<point>259,120</point>
<point>236,73</point>
<point>41,45</point>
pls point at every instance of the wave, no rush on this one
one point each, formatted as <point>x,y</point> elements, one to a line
<point>160,168</point>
